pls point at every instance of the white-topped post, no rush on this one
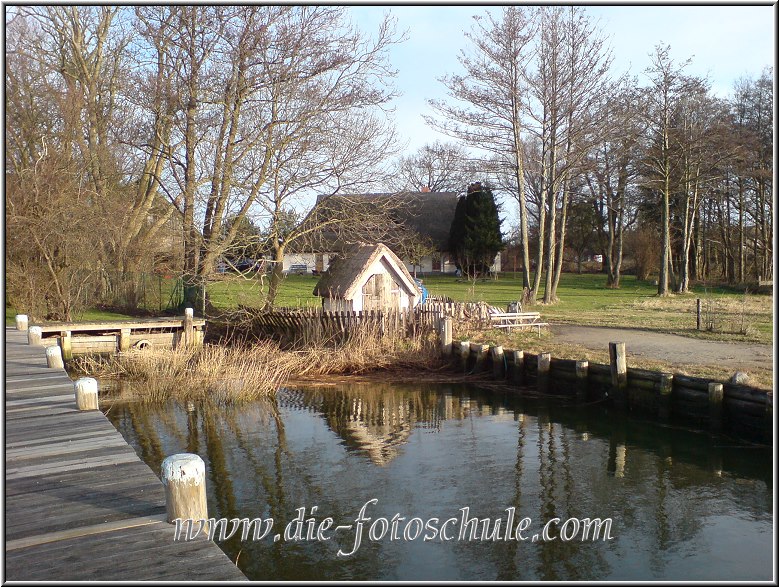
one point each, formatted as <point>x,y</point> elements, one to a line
<point>21,322</point>
<point>184,478</point>
<point>86,393</point>
<point>54,357</point>
<point>34,336</point>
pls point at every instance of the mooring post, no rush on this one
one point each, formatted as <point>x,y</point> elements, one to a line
<point>465,352</point>
<point>619,373</point>
<point>542,378</point>
<point>664,402</point>
<point>189,315</point>
<point>86,393</point>
<point>34,336</point>
<point>66,344</point>
<point>480,352</point>
<point>518,369</point>
<point>716,395</point>
<point>184,478</point>
<point>124,340</point>
<point>498,362</point>
<point>582,371</point>
<point>54,357</point>
<point>21,322</point>
<point>446,336</point>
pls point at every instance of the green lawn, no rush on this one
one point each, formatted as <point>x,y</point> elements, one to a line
<point>583,299</point>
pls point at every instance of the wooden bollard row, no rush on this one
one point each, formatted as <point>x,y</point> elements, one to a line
<point>661,393</point>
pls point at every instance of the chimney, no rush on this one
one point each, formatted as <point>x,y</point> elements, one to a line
<point>426,190</point>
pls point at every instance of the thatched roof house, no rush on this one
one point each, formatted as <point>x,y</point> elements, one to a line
<point>367,277</point>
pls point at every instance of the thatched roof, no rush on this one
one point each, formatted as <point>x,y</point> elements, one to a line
<point>342,279</point>
<point>428,214</point>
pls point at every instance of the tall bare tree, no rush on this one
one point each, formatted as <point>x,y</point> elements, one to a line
<point>490,101</point>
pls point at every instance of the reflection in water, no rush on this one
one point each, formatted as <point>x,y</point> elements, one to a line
<point>684,505</point>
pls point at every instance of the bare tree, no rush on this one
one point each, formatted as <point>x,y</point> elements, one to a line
<point>268,98</point>
<point>436,167</point>
<point>490,99</point>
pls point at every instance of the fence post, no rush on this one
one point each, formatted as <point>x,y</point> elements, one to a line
<point>619,373</point>
<point>698,313</point>
<point>582,371</point>
<point>21,322</point>
<point>446,335</point>
<point>716,395</point>
<point>34,336</point>
<point>542,377</point>
<point>184,478</point>
<point>86,393</point>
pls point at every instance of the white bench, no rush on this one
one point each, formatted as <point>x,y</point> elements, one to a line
<point>509,320</point>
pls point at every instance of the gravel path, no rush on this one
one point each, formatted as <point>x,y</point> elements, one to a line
<point>672,348</point>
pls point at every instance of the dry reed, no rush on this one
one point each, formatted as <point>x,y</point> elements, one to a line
<point>215,373</point>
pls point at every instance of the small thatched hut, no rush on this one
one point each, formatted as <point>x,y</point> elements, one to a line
<point>368,277</point>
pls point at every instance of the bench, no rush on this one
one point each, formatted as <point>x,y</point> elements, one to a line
<point>509,320</point>
<point>298,269</point>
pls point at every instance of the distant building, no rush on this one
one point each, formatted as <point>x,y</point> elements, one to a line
<point>421,218</point>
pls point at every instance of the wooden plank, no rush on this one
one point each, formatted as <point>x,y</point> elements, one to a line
<point>79,503</point>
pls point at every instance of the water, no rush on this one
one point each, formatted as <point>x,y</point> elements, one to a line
<point>684,505</point>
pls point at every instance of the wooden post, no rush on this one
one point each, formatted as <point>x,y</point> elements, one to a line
<point>187,326</point>
<point>54,357</point>
<point>716,395</point>
<point>518,372</point>
<point>21,322</point>
<point>124,340</point>
<point>582,371</point>
<point>664,402</point>
<point>66,344</point>
<point>446,336</point>
<point>465,352</point>
<point>34,336</point>
<point>619,373</point>
<point>542,380</point>
<point>86,393</point>
<point>698,313</point>
<point>498,362</point>
<point>184,478</point>
<point>480,353</point>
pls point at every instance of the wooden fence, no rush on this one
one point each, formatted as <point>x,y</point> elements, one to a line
<point>295,326</point>
<point>741,410</point>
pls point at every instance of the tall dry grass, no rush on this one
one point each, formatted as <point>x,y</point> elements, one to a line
<point>366,349</point>
<point>227,373</point>
<point>214,373</point>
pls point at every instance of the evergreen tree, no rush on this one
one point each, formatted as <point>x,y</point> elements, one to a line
<point>475,237</point>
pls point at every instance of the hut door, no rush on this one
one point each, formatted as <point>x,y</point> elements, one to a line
<point>376,292</point>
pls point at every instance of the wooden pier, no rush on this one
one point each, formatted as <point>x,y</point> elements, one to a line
<point>78,338</point>
<point>79,503</point>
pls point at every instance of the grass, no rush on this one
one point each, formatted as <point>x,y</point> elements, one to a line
<point>583,299</point>
<point>87,315</point>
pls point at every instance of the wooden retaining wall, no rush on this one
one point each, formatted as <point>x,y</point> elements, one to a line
<point>740,410</point>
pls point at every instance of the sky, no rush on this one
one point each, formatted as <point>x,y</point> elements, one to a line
<point>724,42</point>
